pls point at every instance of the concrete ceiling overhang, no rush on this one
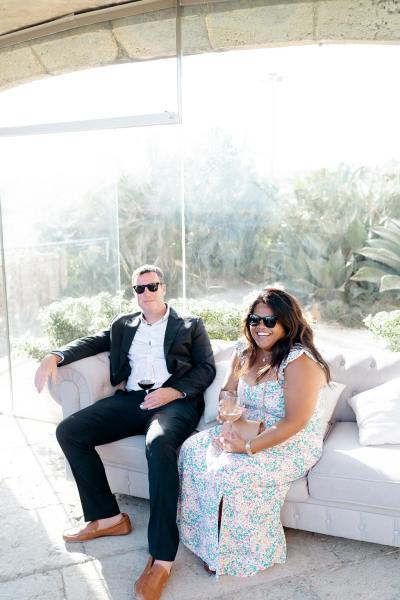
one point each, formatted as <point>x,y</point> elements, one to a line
<point>18,15</point>
<point>41,38</point>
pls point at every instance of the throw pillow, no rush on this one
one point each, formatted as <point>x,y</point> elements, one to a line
<point>329,397</point>
<point>378,414</point>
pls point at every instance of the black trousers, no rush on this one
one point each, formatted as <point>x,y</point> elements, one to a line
<point>117,417</point>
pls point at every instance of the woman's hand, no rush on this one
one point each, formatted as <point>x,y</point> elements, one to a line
<point>231,442</point>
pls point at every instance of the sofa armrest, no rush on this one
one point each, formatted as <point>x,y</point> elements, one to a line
<point>82,383</point>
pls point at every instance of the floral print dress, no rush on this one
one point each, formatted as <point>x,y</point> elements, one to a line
<point>253,489</point>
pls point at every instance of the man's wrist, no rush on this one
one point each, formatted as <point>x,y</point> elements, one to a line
<point>58,355</point>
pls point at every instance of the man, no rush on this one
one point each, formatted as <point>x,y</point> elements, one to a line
<point>179,352</point>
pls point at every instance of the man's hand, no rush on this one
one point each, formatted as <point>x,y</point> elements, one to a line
<point>48,367</point>
<point>160,397</point>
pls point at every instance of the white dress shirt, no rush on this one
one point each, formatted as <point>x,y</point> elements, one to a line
<point>146,354</point>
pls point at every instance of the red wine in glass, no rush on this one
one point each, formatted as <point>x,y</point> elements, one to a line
<point>146,384</point>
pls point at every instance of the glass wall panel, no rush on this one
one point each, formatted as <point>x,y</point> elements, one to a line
<point>87,209</point>
<point>60,227</point>
<point>292,166</point>
<point>150,203</point>
<point>5,384</point>
<point>81,210</point>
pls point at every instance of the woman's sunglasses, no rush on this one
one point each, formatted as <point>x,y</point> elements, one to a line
<point>255,320</point>
<point>152,287</point>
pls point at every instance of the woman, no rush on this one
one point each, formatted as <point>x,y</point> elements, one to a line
<point>232,491</point>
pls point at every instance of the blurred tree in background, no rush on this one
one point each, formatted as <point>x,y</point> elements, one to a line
<point>314,234</point>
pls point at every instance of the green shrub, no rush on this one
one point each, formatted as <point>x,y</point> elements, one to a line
<point>74,318</point>
<point>337,311</point>
<point>70,319</point>
<point>222,319</point>
<point>386,325</point>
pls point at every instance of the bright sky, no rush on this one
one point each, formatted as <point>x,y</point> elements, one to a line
<point>289,110</point>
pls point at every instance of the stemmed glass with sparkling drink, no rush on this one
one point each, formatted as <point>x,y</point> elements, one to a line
<point>229,407</point>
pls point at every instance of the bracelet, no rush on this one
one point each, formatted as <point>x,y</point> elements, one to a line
<point>248,449</point>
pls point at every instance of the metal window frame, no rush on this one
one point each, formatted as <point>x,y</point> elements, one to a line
<point>82,19</point>
<point>92,16</point>
<point>165,118</point>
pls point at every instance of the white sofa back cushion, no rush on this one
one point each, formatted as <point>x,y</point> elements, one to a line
<point>328,400</point>
<point>212,392</point>
<point>378,414</point>
<point>360,371</point>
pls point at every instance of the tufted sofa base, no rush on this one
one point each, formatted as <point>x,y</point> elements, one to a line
<point>352,492</point>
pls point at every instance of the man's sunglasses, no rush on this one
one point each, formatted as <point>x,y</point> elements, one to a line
<point>152,287</point>
<point>255,320</point>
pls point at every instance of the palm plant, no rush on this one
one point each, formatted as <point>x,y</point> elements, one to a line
<point>313,267</point>
<point>381,254</point>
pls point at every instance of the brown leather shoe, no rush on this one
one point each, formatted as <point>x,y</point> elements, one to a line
<point>207,569</point>
<point>152,581</point>
<point>92,530</point>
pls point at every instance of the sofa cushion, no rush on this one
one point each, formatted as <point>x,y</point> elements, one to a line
<point>127,453</point>
<point>328,399</point>
<point>298,491</point>
<point>362,475</point>
<point>378,413</point>
<point>211,394</point>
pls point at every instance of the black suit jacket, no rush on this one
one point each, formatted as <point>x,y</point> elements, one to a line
<point>187,349</point>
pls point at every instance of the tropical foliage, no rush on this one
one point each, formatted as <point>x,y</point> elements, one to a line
<point>329,221</point>
<point>331,237</point>
<point>381,264</point>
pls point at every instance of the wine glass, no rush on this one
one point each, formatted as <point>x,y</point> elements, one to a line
<point>147,377</point>
<point>229,407</point>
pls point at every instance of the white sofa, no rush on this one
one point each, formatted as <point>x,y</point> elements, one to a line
<point>352,492</point>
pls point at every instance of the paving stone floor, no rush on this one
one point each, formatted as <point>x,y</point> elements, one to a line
<point>37,503</point>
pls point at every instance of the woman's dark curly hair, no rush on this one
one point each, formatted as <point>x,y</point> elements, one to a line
<point>297,331</point>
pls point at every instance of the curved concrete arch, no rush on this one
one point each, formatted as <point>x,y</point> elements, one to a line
<point>215,26</point>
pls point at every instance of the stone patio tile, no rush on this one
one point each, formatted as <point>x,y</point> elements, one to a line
<point>24,483</point>
<point>138,511</point>
<point>346,550</point>
<point>85,582</point>
<point>30,490</point>
<point>31,541</point>
<point>112,577</point>
<point>304,554</point>
<point>8,503</point>
<point>371,579</point>
<point>11,435</point>
<point>49,456</point>
<point>293,589</point>
<point>18,460</point>
<point>37,432</point>
<point>43,586</point>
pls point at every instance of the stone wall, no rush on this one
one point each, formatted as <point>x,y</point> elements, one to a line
<point>215,26</point>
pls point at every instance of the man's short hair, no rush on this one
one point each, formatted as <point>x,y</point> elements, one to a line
<point>148,269</point>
